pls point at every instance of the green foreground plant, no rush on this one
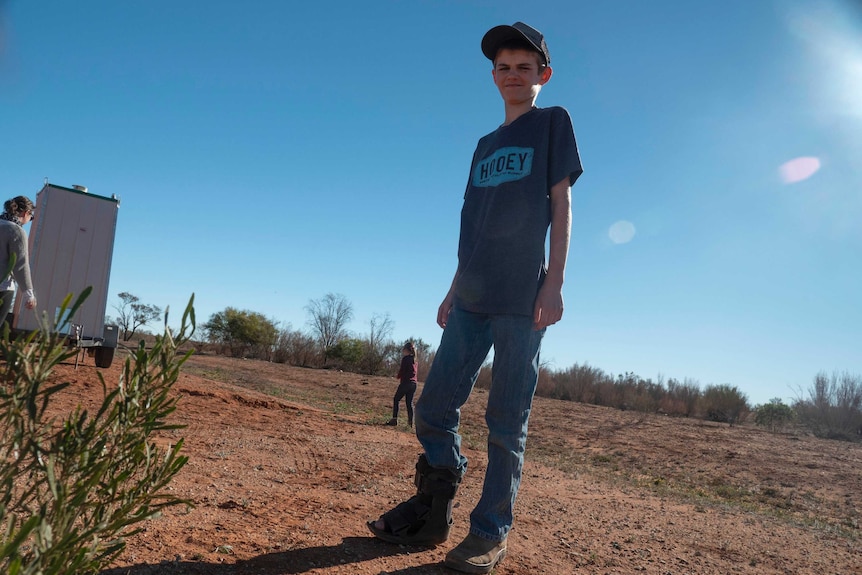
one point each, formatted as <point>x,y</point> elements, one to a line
<point>73,488</point>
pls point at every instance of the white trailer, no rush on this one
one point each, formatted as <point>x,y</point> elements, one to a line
<point>71,245</point>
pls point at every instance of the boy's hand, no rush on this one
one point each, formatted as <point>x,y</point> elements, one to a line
<point>444,309</point>
<point>549,307</point>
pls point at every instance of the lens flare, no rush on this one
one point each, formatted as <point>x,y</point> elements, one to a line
<point>622,232</point>
<point>798,169</point>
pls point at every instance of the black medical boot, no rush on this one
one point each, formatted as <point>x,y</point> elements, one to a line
<point>425,518</point>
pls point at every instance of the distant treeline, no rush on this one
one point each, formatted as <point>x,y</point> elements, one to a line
<point>831,407</point>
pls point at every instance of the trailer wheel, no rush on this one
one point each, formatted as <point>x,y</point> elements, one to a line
<point>104,356</point>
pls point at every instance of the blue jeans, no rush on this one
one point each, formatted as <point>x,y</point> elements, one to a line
<point>465,344</point>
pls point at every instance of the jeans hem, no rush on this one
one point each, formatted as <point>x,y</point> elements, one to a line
<point>486,537</point>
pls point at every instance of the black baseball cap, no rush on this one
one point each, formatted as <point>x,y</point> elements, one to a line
<point>517,31</point>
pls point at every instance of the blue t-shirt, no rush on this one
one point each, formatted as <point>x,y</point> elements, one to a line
<point>507,211</point>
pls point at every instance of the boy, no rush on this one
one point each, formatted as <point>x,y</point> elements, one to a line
<point>502,295</point>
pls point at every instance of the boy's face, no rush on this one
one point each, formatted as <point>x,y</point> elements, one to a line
<point>518,76</point>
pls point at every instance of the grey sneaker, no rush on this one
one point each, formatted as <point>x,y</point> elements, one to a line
<point>476,555</point>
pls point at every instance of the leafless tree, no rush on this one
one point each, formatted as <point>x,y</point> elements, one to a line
<point>328,319</point>
<point>294,347</point>
<point>378,343</point>
<point>834,406</point>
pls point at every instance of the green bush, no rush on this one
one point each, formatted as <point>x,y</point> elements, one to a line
<point>244,333</point>
<point>347,354</point>
<point>774,415</point>
<point>73,488</point>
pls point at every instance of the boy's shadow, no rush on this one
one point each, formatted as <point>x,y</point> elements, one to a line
<point>295,561</point>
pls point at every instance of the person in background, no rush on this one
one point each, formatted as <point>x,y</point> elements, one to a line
<point>13,246</point>
<point>407,383</point>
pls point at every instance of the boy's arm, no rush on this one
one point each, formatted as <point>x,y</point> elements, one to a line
<point>548,309</point>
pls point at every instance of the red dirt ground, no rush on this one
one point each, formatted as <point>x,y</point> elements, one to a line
<point>287,464</point>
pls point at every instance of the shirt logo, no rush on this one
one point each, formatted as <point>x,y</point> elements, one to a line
<point>504,165</point>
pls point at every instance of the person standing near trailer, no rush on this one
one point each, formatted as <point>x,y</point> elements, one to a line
<point>17,212</point>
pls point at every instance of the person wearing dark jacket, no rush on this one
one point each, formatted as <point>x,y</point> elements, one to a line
<point>407,383</point>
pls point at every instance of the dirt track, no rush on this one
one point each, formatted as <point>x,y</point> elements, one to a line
<point>287,464</point>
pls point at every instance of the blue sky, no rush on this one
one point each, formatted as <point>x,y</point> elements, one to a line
<point>266,154</point>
